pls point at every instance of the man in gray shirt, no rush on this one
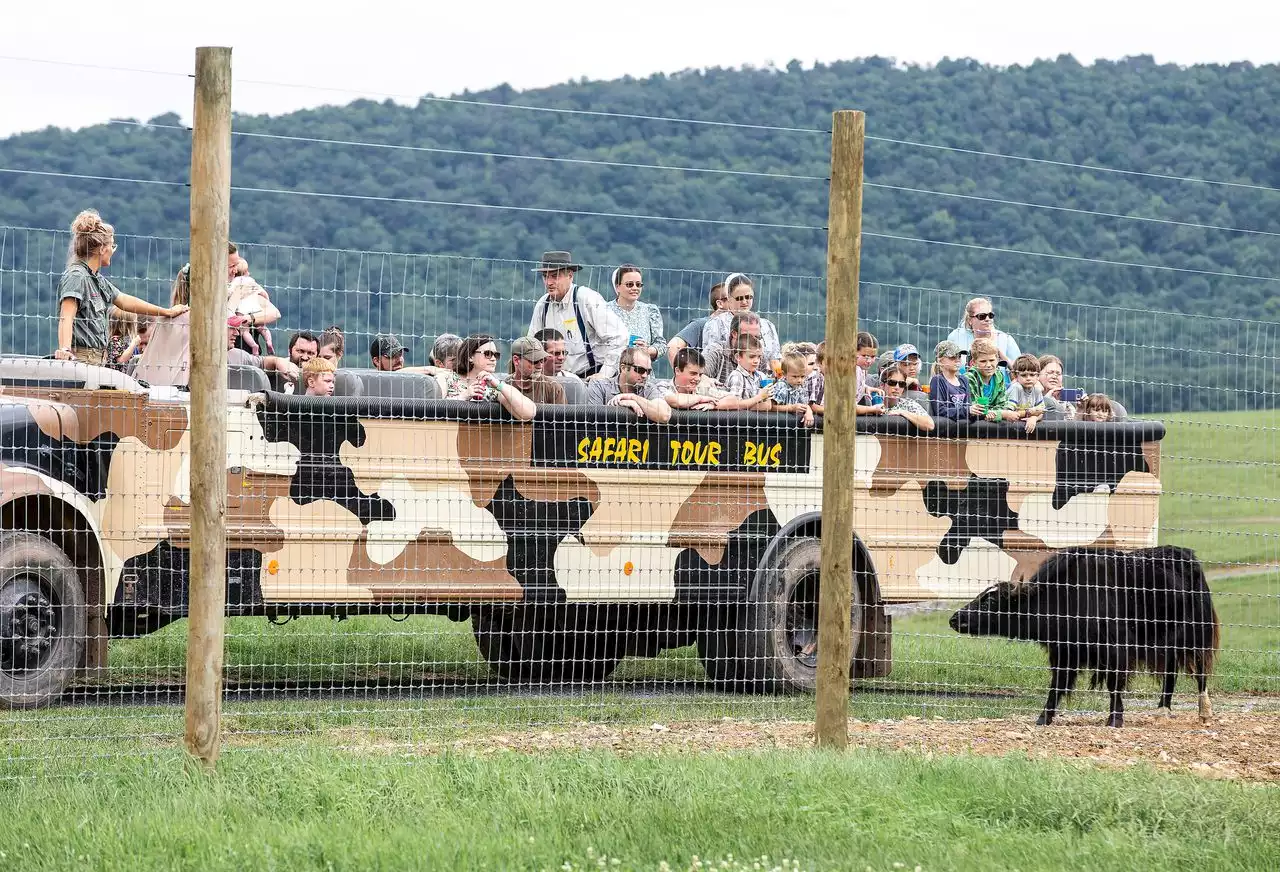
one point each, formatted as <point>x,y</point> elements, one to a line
<point>631,388</point>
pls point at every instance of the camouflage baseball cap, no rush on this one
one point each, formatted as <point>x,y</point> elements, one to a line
<point>528,348</point>
<point>385,346</point>
<point>947,348</point>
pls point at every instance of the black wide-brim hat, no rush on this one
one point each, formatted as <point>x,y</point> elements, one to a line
<point>554,261</point>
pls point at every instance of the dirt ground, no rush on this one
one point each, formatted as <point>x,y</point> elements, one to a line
<point>1231,746</point>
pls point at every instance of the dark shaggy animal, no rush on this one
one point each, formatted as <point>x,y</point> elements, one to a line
<point>1110,611</point>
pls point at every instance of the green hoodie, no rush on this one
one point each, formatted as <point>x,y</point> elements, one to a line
<point>993,394</point>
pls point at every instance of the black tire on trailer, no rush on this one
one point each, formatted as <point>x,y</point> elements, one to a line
<point>769,643</point>
<point>544,643</point>
<point>43,621</point>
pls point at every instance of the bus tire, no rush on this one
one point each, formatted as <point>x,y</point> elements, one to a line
<point>544,644</point>
<point>43,621</point>
<point>769,643</point>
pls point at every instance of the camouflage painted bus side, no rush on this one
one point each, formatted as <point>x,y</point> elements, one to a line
<point>355,500</point>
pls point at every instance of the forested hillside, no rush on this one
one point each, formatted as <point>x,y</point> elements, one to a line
<point>1209,122</point>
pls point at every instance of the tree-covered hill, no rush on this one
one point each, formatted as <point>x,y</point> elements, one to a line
<point>1205,122</point>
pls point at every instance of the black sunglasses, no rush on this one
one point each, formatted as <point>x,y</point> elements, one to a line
<point>643,370</point>
<point>745,297</point>
<point>633,284</point>
<point>985,316</point>
<point>492,355</point>
<point>894,383</point>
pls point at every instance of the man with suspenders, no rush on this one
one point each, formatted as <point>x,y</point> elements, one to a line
<point>594,336</point>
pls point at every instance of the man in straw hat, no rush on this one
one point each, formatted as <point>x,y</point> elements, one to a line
<point>594,336</point>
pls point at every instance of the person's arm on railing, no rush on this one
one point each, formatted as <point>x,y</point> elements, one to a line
<point>521,407</point>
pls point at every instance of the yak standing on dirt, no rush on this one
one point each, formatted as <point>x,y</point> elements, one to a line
<point>1112,612</point>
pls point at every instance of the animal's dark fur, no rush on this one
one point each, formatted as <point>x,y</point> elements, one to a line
<point>1110,611</point>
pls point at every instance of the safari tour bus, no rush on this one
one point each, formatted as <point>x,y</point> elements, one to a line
<point>568,542</point>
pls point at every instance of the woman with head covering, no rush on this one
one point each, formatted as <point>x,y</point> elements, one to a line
<point>741,291</point>
<point>643,320</point>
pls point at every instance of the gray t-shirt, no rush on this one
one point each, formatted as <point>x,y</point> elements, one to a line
<point>240,357</point>
<point>95,294</point>
<point>692,334</point>
<point>1021,398</point>
<point>601,391</point>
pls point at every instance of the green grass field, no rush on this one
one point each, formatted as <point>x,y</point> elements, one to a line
<point>308,808</point>
<point>1221,478</point>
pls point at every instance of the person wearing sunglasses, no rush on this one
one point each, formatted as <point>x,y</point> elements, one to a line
<point>632,388</point>
<point>85,295</point>
<point>715,335</point>
<point>979,322</point>
<point>473,378</point>
<point>894,382</point>
<point>643,320</point>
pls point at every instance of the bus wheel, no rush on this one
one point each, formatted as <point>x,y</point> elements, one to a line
<point>43,621</point>
<point>544,644</point>
<point>770,643</point>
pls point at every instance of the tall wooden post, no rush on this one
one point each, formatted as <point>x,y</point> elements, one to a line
<point>210,214</point>
<point>844,248</point>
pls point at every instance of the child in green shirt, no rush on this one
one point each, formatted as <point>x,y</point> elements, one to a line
<point>986,384</point>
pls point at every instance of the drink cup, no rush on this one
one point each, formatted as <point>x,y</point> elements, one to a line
<point>633,340</point>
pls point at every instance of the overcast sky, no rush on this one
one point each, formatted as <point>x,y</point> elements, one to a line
<point>391,48</point>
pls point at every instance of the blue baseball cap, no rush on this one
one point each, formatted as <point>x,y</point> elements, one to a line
<point>902,352</point>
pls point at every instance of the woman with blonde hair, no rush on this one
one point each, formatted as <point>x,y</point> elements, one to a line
<point>85,295</point>
<point>979,322</point>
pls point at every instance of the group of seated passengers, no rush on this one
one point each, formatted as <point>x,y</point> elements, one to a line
<point>730,359</point>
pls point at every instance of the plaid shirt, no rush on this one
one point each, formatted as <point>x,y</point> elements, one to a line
<point>742,384</point>
<point>786,395</point>
<point>815,385</point>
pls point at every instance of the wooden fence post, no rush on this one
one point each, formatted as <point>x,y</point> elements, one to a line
<point>839,430</point>
<point>210,216</point>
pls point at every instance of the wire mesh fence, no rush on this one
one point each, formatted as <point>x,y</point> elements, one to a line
<point>438,527</point>
<point>418,552</point>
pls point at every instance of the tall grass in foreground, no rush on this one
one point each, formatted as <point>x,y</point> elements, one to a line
<point>323,810</point>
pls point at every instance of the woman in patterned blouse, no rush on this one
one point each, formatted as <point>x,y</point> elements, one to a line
<point>643,320</point>
<point>473,378</point>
